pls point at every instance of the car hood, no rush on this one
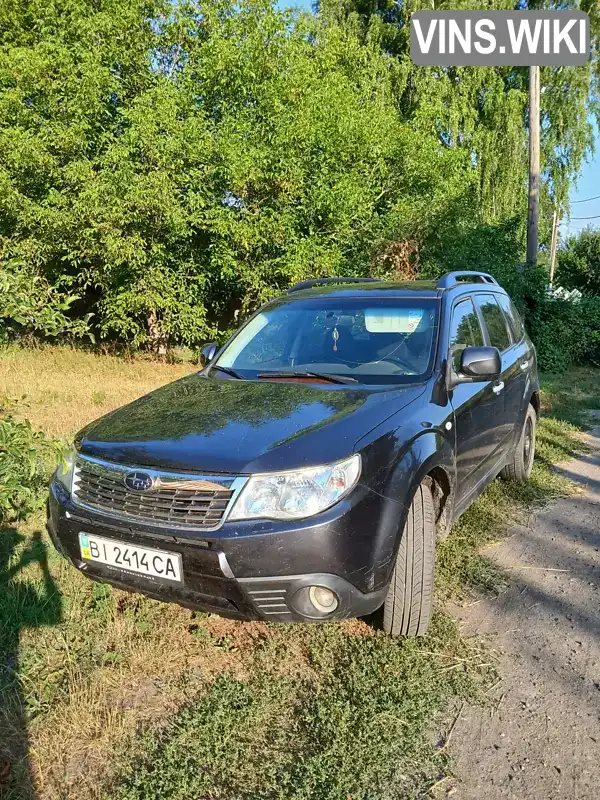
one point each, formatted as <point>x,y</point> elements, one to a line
<point>202,424</point>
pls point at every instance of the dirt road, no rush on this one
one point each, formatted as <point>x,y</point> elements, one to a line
<point>540,740</point>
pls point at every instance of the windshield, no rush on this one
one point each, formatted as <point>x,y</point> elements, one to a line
<point>365,339</point>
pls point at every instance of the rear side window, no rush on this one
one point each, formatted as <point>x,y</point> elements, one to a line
<point>494,320</point>
<point>514,320</point>
<point>465,330</point>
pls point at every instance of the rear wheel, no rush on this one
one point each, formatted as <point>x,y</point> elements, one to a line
<point>519,467</point>
<point>407,607</point>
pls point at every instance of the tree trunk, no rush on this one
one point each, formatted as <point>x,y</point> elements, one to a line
<point>159,344</point>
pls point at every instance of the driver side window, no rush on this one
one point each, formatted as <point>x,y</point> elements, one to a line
<point>465,330</point>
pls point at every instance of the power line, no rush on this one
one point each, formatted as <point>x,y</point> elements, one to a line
<point>587,200</point>
<point>597,216</point>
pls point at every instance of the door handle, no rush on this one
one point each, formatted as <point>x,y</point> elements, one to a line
<point>498,387</point>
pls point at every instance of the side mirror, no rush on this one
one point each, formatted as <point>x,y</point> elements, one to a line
<point>478,364</point>
<point>207,353</point>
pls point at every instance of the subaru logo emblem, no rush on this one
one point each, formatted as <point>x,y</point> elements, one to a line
<point>138,481</point>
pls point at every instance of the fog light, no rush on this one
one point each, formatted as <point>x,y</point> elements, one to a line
<point>324,600</point>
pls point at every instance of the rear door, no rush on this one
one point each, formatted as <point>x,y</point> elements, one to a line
<point>509,385</point>
<point>523,355</point>
<point>477,407</point>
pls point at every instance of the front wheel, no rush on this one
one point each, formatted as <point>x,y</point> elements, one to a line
<point>519,467</point>
<point>409,601</point>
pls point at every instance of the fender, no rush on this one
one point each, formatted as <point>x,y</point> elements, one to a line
<point>531,396</point>
<point>430,453</point>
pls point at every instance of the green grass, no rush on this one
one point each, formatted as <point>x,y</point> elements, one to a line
<point>570,396</point>
<point>350,723</point>
<point>103,681</point>
<point>108,694</point>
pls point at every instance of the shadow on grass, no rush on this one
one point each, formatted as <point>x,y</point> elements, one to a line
<point>24,603</point>
<point>461,566</point>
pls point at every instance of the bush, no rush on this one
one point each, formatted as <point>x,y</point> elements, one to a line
<point>579,262</point>
<point>29,303</point>
<point>26,460</point>
<point>554,335</point>
<point>564,332</point>
<point>586,330</point>
<point>567,333</point>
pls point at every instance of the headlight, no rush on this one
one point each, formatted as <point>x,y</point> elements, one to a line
<point>293,495</point>
<point>64,470</point>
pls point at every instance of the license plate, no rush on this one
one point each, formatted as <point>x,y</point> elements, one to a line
<point>130,558</point>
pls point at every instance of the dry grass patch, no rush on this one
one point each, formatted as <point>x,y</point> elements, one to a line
<point>103,670</point>
<point>102,693</point>
<point>85,677</point>
<point>67,388</point>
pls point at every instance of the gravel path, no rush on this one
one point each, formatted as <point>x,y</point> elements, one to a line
<point>540,740</point>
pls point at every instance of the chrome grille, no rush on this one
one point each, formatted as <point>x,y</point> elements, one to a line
<point>174,500</point>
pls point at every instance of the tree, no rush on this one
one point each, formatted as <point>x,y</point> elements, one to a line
<point>483,110</point>
<point>178,162</point>
<point>173,163</point>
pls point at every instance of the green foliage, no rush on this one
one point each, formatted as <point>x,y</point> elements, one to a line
<point>564,333</point>
<point>568,333</point>
<point>175,163</point>
<point>579,262</point>
<point>29,303</point>
<point>249,153</point>
<point>464,242</point>
<point>482,110</point>
<point>26,459</point>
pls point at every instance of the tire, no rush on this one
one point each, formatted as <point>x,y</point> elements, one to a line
<point>408,605</point>
<point>519,467</point>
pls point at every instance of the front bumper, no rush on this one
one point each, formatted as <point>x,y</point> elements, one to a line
<point>237,572</point>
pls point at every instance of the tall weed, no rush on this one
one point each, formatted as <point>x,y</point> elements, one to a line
<point>26,460</point>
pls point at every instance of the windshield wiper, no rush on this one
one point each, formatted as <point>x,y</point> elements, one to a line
<point>227,371</point>
<point>324,376</point>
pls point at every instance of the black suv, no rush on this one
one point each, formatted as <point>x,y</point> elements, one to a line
<point>306,471</point>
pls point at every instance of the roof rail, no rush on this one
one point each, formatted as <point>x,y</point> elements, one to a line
<point>452,278</point>
<point>316,281</point>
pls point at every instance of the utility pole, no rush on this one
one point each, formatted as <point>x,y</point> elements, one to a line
<point>534,166</point>
<point>553,244</point>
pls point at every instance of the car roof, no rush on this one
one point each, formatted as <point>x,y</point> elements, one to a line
<point>386,289</point>
<point>368,289</point>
